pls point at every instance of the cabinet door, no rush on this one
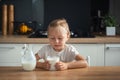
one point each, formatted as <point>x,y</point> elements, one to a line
<point>10,54</point>
<point>36,47</point>
<point>95,51</point>
<point>112,55</point>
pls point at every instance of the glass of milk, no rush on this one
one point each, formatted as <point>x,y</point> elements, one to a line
<point>52,61</point>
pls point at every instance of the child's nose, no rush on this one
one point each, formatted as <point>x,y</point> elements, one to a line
<point>56,40</point>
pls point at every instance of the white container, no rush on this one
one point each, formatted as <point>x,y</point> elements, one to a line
<point>28,59</point>
<point>52,61</point>
<point>29,65</point>
<point>110,31</point>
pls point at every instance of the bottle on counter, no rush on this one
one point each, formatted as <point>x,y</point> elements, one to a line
<point>28,59</point>
<point>4,20</point>
<point>10,19</point>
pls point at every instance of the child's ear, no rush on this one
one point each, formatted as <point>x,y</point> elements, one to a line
<point>68,36</point>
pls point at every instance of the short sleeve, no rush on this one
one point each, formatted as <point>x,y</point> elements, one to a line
<point>74,50</point>
<point>70,53</point>
<point>41,52</point>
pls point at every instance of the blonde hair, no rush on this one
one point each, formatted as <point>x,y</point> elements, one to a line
<point>61,22</point>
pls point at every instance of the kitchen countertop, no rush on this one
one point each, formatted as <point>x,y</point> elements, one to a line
<point>90,73</point>
<point>24,39</point>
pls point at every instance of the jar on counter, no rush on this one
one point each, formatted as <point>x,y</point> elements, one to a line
<point>28,59</point>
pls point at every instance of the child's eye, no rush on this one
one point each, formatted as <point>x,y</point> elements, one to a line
<point>52,38</point>
<point>60,38</point>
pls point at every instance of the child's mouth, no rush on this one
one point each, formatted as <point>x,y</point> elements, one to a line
<point>57,45</point>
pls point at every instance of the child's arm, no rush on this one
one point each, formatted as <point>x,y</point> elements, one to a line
<point>43,65</point>
<point>79,63</point>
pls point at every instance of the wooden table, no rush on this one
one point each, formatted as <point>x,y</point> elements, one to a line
<point>90,73</point>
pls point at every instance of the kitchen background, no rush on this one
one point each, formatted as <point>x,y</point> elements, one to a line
<point>103,51</point>
<point>79,13</point>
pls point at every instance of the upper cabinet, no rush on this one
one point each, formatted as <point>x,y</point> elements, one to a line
<point>99,5</point>
<point>77,13</point>
<point>115,11</point>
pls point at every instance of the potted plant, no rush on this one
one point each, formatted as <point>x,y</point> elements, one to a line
<point>110,24</point>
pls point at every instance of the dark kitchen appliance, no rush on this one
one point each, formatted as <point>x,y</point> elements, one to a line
<point>38,34</point>
<point>74,34</point>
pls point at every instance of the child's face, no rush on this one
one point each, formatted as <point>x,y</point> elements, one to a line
<point>57,37</point>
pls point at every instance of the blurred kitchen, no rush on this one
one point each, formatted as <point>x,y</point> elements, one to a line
<point>25,22</point>
<point>84,16</point>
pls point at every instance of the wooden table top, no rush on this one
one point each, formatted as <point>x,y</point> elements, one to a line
<point>90,73</point>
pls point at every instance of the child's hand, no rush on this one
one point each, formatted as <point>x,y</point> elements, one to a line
<point>46,65</point>
<point>61,66</point>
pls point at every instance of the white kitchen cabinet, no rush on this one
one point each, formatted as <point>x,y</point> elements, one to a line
<point>10,54</point>
<point>100,54</point>
<point>95,51</point>
<point>112,54</point>
<point>36,47</point>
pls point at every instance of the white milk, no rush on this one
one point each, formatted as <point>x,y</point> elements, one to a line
<point>52,62</point>
<point>29,65</point>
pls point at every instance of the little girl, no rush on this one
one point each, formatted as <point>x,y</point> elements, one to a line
<point>58,35</point>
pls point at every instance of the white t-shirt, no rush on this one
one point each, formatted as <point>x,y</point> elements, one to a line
<point>66,55</point>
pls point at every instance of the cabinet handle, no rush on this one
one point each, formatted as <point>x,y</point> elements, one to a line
<point>7,47</point>
<point>25,45</point>
<point>111,47</point>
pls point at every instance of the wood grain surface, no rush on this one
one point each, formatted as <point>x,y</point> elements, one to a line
<point>90,73</point>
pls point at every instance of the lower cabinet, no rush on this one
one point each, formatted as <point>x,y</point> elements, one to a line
<point>10,54</point>
<point>95,51</point>
<point>100,54</point>
<point>112,54</point>
<point>36,47</point>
